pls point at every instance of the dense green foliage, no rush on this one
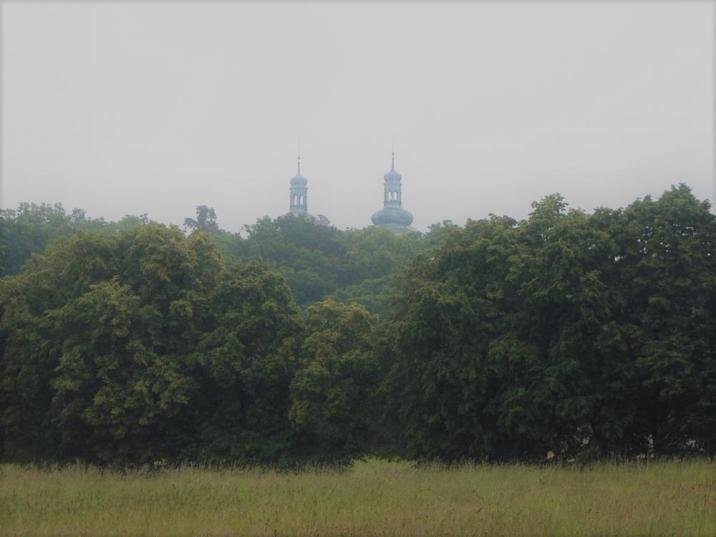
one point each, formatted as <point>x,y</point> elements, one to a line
<point>583,335</point>
<point>30,228</point>
<point>114,344</point>
<point>320,261</point>
<point>333,390</point>
<point>317,261</point>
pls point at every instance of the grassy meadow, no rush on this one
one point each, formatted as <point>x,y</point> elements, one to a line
<point>372,498</point>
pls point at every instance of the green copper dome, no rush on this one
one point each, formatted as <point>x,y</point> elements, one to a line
<point>392,216</point>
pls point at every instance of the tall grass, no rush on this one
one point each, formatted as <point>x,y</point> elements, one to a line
<point>373,498</point>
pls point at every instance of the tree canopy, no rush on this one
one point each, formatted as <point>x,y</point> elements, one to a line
<point>583,335</point>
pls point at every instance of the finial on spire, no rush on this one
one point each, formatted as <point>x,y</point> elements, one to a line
<point>298,151</point>
<point>392,152</point>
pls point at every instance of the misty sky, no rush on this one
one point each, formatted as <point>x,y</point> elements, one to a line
<point>126,108</point>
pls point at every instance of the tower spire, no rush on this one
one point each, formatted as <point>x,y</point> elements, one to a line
<point>298,152</point>
<point>299,189</point>
<point>392,216</point>
<point>392,153</point>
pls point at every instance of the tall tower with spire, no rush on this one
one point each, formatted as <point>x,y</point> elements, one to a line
<point>392,216</point>
<point>298,203</point>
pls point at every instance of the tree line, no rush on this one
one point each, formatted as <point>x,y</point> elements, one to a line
<point>317,261</point>
<point>578,335</point>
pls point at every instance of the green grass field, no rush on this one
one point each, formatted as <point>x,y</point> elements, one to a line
<point>372,498</point>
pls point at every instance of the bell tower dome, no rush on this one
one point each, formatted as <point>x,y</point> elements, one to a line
<point>298,201</point>
<point>392,216</point>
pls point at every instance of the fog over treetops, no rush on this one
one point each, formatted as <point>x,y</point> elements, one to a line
<point>124,108</point>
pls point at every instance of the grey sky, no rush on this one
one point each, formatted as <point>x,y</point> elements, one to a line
<point>127,108</point>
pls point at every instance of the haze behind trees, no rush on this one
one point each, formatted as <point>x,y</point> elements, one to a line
<point>130,107</point>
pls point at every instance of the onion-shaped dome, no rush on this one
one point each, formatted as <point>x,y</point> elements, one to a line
<point>392,176</point>
<point>396,216</point>
<point>299,180</point>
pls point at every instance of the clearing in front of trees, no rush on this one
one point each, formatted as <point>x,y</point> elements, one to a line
<point>371,498</point>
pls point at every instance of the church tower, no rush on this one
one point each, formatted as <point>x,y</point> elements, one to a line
<point>392,216</point>
<point>298,203</point>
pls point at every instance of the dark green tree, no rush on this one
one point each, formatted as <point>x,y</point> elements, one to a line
<point>244,362</point>
<point>30,228</point>
<point>582,335</point>
<point>141,347</point>
<point>205,220</point>
<point>333,392</point>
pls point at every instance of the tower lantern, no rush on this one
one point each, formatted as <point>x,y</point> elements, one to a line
<point>298,202</point>
<point>392,216</point>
